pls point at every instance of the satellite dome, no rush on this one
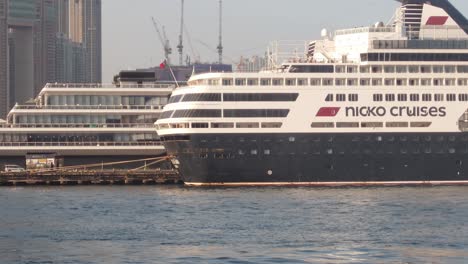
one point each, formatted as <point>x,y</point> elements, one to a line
<point>324,33</point>
<point>379,24</point>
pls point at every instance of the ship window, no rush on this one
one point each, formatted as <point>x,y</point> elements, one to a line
<point>291,82</point>
<point>277,82</point>
<point>462,69</point>
<point>255,113</point>
<point>213,82</point>
<point>451,97</point>
<point>227,82</point>
<point>389,69</point>
<point>329,98</point>
<point>463,97</point>
<point>415,97</point>
<point>180,125</point>
<point>401,69</point>
<point>397,124</point>
<point>450,69</point>
<point>389,82</point>
<point>352,69</point>
<point>365,69</point>
<point>240,82</point>
<point>390,97</point>
<point>378,97</point>
<point>365,82</point>
<point>340,69</point>
<point>315,82</point>
<point>272,125</point>
<point>260,97</point>
<point>247,125</point>
<point>265,82</point>
<point>312,68</point>
<point>426,82</point>
<point>166,114</point>
<point>164,126</point>
<point>302,82</point>
<point>439,97</point>
<point>200,125</point>
<point>450,82</point>
<point>252,82</point>
<point>376,82</point>
<point>253,152</point>
<point>197,113</point>
<point>203,156</point>
<point>347,124</point>
<point>340,82</point>
<point>376,69</point>
<point>267,152</point>
<point>352,82</point>
<point>427,97</point>
<point>462,82</point>
<point>323,125</point>
<point>353,97</point>
<point>426,69</point>
<point>413,69</point>
<point>438,69</point>
<point>402,97</point>
<point>222,125</point>
<point>421,124</point>
<point>401,82</point>
<point>327,82</point>
<point>241,152</point>
<point>174,99</point>
<point>371,124</point>
<point>438,82</point>
<point>208,97</point>
<point>413,82</point>
<point>341,97</point>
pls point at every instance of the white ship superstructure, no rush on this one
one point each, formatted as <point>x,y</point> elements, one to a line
<point>87,123</point>
<point>379,104</point>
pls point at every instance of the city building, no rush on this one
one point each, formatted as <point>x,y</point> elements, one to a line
<point>47,41</point>
<point>88,123</point>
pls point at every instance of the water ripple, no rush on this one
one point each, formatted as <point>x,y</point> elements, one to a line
<point>131,224</point>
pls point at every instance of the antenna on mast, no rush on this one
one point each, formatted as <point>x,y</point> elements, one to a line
<point>180,47</point>
<point>220,45</point>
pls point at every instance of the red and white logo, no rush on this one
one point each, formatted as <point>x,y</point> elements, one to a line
<point>328,111</point>
<point>437,20</point>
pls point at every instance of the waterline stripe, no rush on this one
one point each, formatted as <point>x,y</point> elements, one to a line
<point>330,184</point>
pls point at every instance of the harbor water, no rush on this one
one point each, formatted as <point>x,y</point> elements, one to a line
<point>176,224</point>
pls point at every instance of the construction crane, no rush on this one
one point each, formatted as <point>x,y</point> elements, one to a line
<point>164,41</point>
<point>220,45</point>
<point>180,47</point>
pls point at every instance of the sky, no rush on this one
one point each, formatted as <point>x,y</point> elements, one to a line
<point>130,40</point>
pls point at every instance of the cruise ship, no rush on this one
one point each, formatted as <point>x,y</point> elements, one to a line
<point>84,124</point>
<point>380,105</point>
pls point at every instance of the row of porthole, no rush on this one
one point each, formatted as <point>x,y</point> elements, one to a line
<point>268,152</point>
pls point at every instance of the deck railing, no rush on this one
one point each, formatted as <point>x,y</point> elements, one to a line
<point>81,144</point>
<point>81,125</point>
<point>107,86</point>
<point>89,107</point>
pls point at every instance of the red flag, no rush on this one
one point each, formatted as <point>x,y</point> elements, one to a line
<point>162,65</point>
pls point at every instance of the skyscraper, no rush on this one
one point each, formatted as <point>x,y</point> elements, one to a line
<point>93,32</point>
<point>47,41</point>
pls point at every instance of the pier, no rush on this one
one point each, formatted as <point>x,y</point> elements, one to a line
<point>91,177</point>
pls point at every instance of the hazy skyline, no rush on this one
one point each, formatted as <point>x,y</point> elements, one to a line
<point>130,40</point>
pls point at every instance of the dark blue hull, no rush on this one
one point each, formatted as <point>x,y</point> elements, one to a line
<point>329,159</point>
